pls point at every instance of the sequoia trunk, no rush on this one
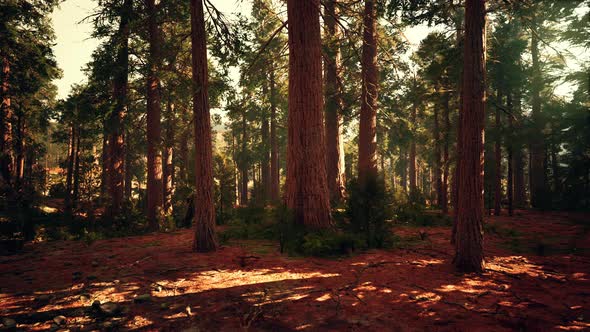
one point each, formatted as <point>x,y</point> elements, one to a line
<point>204,216</point>
<point>367,163</point>
<point>307,188</point>
<point>469,233</point>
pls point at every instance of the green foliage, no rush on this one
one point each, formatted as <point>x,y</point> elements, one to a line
<point>369,210</point>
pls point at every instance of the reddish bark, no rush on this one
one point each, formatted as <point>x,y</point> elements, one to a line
<point>205,239</point>
<point>243,162</point>
<point>334,104</point>
<point>154,131</point>
<point>116,156</point>
<point>6,151</point>
<point>469,233</point>
<point>437,172</point>
<point>367,160</point>
<point>412,172</point>
<point>307,188</point>
<point>509,151</point>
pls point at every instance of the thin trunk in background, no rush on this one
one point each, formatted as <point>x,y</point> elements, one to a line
<point>498,158</point>
<point>334,103</point>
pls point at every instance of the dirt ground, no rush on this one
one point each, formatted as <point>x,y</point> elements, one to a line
<point>537,279</point>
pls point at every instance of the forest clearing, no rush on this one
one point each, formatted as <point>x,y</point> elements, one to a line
<point>294,165</point>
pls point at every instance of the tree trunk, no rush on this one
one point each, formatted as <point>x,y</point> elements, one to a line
<point>6,151</point>
<point>116,167</point>
<point>184,158</point>
<point>205,239</point>
<point>154,131</point>
<point>555,169</point>
<point>168,175</point>
<point>334,104</point>
<point>469,238</point>
<point>509,148</point>
<point>404,169</point>
<point>437,174</point>
<point>412,167</point>
<point>537,141</point>
<point>104,176</point>
<point>265,162</point>
<point>19,151</point>
<point>76,190</point>
<point>274,145</point>
<point>444,204</point>
<point>498,160</point>
<point>367,163</point>
<point>70,168</point>
<point>128,167</point>
<point>243,161</point>
<point>307,188</point>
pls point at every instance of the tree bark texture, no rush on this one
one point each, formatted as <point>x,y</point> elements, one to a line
<point>205,239</point>
<point>469,238</point>
<point>307,188</point>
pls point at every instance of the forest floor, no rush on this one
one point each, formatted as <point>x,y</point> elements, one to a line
<point>537,279</point>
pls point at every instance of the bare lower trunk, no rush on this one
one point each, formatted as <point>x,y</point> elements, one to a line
<point>265,162</point>
<point>367,163</point>
<point>469,238</point>
<point>307,188</point>
<point>205,239</point>
<point>334,105</point>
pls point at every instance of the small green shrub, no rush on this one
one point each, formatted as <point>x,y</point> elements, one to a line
<point>369,210</point>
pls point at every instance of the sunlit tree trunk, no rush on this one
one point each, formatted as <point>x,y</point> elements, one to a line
<point>205,239</point>
<point>19,151</point>
<point>469,237</point>
<point>265,162</point>
<point>367,162</point>
<point>6,151</point>
<point>116,169</point>
<point>334,104</point>
<point>307,188</point>
<point>154,131</point>
<point>168,176</point>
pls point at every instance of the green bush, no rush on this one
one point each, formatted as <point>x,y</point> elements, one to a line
<point>369,210</point>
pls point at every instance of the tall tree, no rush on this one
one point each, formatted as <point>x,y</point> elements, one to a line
<point>307,188</point>
<point>204,216</point>
<point>116,144</point>
<point>469,233</point>
<point>367,162</point>
<point>154,132</point>
<point>334,103</point>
